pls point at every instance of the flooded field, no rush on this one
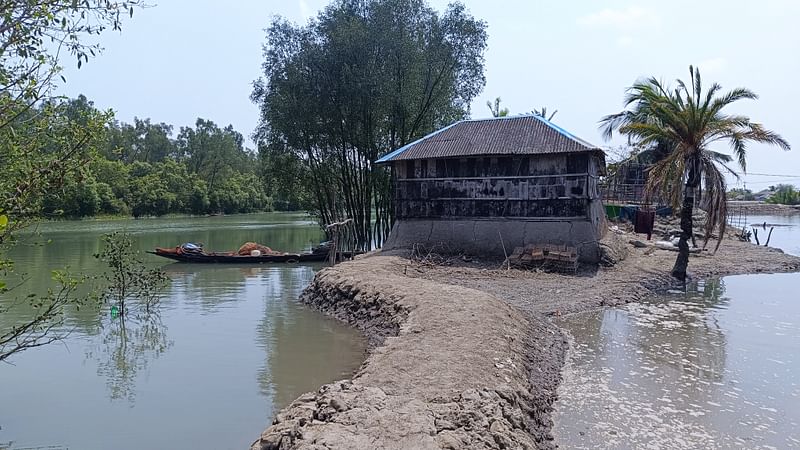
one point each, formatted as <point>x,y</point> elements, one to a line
<point>715,367</point>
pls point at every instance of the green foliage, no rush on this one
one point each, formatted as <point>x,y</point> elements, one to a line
<point>360,80</point>
<point>45,143</point>
<point>740,194</point>
<point>34,32</point>
<point>204,170</point>
<point>785,194</point>
<point>495,108</point>
<point>129,285</point>
<point>543,113</point>
<point>46,325</point>
<point>683,124</point>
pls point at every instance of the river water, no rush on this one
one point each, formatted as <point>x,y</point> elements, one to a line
<point>715,367</point>
<point>232,344</point>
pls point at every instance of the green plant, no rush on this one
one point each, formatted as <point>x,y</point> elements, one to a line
<point>785,194</point>
<point>129,285</point>
<point>685,123</point>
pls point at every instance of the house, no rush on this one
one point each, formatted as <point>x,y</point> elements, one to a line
<point>763,195</point>
<point>487,186</point>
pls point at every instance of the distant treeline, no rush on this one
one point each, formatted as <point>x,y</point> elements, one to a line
<point>141,169</point>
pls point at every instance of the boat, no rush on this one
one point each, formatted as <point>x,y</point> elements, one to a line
<point>193,253</point>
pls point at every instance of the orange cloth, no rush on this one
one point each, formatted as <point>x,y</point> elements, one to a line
<point>248,247</point>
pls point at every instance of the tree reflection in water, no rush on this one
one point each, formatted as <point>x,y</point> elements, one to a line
<point>684,334</point>
<point>303,352</point>
<point>126,348</point>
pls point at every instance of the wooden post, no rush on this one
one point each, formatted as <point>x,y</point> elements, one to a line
<point>334,230</point>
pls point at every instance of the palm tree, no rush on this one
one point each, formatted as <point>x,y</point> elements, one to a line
<point>683,123</point>
<point>495,108</point>
<point>543,113</point>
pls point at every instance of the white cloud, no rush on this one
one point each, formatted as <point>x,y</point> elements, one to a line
<point>627,19</point>
<point>713,66</point>
<point>305,11</point>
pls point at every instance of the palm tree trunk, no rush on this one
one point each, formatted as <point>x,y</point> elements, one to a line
<point>687,209</point>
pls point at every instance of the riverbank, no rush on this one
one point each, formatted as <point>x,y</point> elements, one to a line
<point>453,366</point>
<point>762,208</point>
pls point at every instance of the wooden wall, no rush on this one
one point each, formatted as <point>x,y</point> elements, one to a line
<point>531,187</point>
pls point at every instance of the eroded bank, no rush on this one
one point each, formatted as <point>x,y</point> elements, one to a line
<point>451,367</point>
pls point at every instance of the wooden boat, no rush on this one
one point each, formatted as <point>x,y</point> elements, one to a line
<point>176,254</point>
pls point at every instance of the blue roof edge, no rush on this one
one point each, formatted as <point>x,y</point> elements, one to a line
<point>389,156</point>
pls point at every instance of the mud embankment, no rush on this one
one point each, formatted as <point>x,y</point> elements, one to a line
<point>450,367</point>
<point>762,208</point>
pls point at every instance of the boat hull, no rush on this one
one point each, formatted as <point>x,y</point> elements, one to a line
<point>215,258</point>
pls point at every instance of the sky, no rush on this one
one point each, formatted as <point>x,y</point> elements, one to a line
<point>183,59</point>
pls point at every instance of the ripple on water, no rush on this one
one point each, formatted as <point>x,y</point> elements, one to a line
<point>714,367</point>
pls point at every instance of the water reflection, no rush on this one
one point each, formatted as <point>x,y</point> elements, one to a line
<point>713,367</point>
<point>231,345</point>
<point>124,351</point>
<point>294,348</point>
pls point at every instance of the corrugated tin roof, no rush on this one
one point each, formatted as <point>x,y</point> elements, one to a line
<point>518,135</point>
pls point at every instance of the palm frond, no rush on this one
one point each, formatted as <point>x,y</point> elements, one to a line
<point>758,133</point>
<point>718,157</point>
<point>665,179</point>
<point>716,202</point>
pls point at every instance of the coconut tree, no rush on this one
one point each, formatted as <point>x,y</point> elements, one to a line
<point>683,124</point>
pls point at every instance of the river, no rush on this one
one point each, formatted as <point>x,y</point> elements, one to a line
<point>714,367</point>
<point>232,344</point>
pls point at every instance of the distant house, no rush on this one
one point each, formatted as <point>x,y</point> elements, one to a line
<point>480,186</point>
<point>764,195</point>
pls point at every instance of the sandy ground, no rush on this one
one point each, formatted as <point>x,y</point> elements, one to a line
<point>452,364</point>
<point>643,270</point>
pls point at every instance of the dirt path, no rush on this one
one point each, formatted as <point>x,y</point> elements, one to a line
<point>451,368</point>
<point>465,356</point>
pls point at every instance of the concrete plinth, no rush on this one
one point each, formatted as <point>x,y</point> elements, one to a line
<point>488,237</point>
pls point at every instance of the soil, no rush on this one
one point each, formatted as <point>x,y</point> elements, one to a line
<point>643,271</point>
<point>450,368</point>
<point>464,354</point>
<point>763,208</point>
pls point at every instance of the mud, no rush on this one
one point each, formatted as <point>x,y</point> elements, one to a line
<point>463,351</point>
<point>643,271</point>
<point>763,208</point>
<point>451,367</point>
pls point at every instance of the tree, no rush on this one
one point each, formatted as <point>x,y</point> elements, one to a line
<point>131,287</point>
<point>740,194</point>
<point>785,194</point>
<point>686,122</point>
<point>495,108</point>
<point>363,78</point>
<point>214,154</point>
<point>40,143</point>
<point>543,113</point>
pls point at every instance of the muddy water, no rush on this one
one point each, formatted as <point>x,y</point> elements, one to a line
<point>231,346</point>
<point>715,367</point>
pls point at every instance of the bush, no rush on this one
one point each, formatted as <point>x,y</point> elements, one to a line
<point>785,194</point>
